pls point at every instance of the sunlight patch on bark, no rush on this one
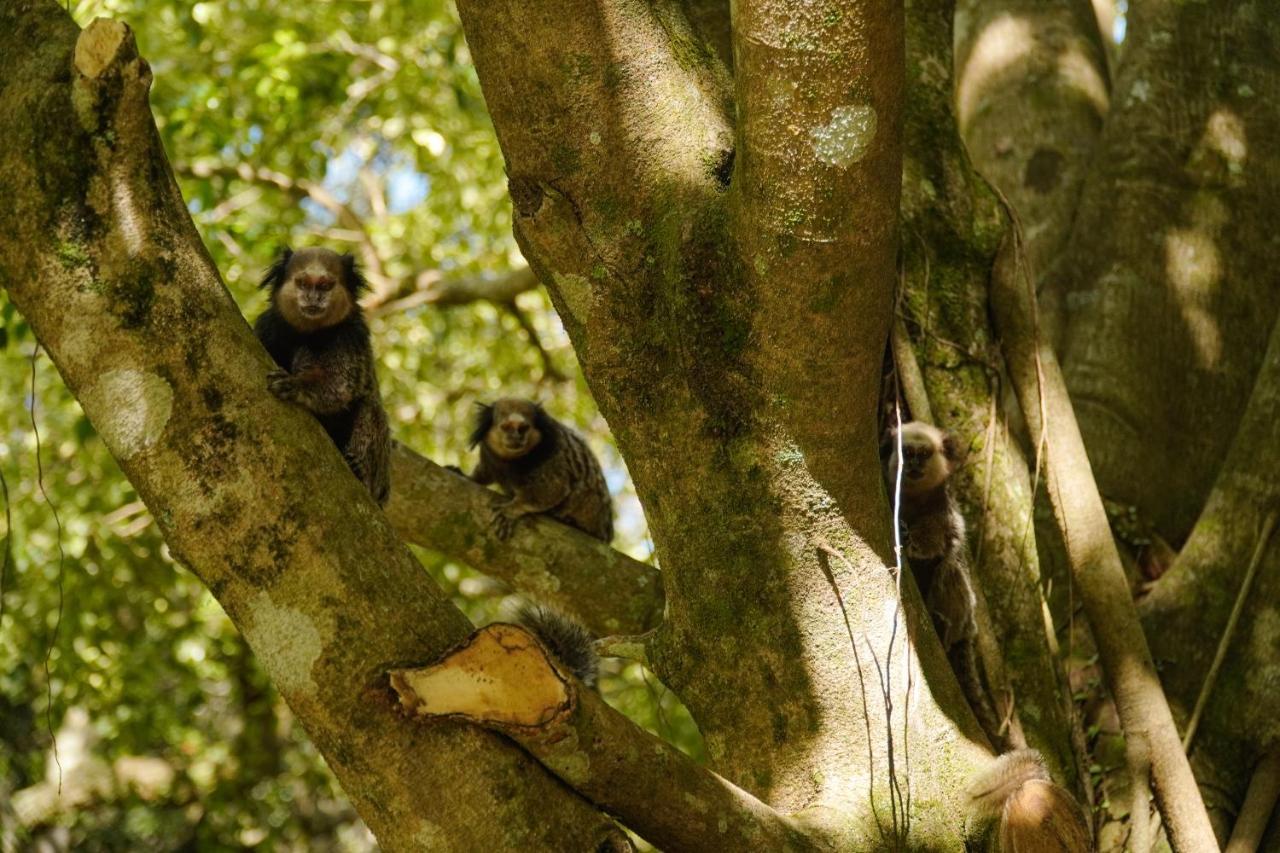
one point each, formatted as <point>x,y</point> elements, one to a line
<point>1005,40</point>
<point>1194,268</point>
<point>575,290</point>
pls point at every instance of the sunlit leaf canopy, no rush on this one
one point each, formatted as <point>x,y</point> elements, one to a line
<point>355,125</point>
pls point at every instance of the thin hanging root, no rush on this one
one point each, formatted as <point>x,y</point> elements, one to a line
<point>1206,690</point>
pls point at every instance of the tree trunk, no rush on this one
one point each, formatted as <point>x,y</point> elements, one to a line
<point>99,254</point>
<point>730,305</point>
<point>1172,257</point>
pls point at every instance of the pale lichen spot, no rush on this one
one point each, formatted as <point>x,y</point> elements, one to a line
<point>1140,92</point>
<point>845,139</point>
<point>537,578</point>
<point>594,137</point>
<point>430,836</point>
<point>287,643</point>
<point>130,409</point>
<point>572,765</point>
<point>575,290</point>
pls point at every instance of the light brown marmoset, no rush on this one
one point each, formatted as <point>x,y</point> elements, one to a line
<point>935,547</point>
<point>315,332</point>
<point>1016,808</point>
<point>542,465</point>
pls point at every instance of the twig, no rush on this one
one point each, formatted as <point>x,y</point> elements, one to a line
<point>549,369</point>
<point>1268,527</point>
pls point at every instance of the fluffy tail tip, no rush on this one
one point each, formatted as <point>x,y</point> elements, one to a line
<point>1017,799</point>
<point>565,637</point>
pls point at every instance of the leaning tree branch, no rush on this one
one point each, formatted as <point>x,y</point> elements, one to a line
<point>503,679</point>
<point>431,287</point>
<point>1095,563</point>
<point>439,509</point>
<point>99,254</point>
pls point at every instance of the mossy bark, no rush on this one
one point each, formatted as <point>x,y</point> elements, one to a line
<point>952,225</point>
<point>1172,291</point>
<point>727,277</point>
<point>99,254</point>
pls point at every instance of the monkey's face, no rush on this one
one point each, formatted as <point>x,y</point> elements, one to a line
<point>513,431</point>
<point>927,455</point>
<point>314,292</point>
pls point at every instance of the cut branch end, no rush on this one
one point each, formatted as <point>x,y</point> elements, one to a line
<point>102,44</point>
<point>500,676</point>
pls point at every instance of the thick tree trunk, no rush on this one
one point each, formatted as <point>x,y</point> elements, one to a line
<point>99,254</point>
<point>1187,612</point>
<point>728,291</point>
<point>1173,253</point>
<point>1031,97</point>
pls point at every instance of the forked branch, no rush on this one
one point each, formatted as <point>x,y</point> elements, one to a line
<point>503,679</point>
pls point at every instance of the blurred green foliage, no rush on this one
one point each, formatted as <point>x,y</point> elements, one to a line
<point>368,128</point>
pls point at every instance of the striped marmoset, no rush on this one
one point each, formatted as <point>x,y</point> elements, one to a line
<point>543,466</point>
<point>315,331</point>
<point>935,547</point>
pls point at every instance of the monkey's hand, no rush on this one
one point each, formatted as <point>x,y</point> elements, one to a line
<point>505,515</point>
<point>284,384</point>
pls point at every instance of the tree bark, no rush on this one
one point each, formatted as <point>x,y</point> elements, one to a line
<point>1150,733</point>
<point>1186,612</point>
<point>728,290</point>
<point>543,559</point>
<point>1172,294</point>
<point>1032,94</point>
<point>99,254</point>
<point>952,224</point>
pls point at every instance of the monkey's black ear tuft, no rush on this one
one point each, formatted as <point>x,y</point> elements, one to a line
<point>541,420</point>
<point>275,274</point>
<point>484,423</point>
<point>950,448</point>
<point>352,278</point>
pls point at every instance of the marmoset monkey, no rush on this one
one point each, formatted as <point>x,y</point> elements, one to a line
<point>316,333</point>
<point>1017,808</point>
<point>936,549</point>
<point>543,466</point>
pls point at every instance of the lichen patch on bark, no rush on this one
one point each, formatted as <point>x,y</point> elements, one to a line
<point>287,642</point>
<point>139,404</point>
<point>845,139</point>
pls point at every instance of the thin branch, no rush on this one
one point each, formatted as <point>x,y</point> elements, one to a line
<point>503,679</point>
<point>549,369</point>
<point>442,510</point>
<point>1095,563</point>
<point>431,287</point>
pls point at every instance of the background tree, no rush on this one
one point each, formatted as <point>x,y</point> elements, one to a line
<point>721,215</point>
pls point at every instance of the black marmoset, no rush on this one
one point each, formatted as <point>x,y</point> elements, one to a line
<point>543,466</point>
<point>315,331</point>
<point>565,637</point>
<point>1016,808</point>
<point>935,547</point>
